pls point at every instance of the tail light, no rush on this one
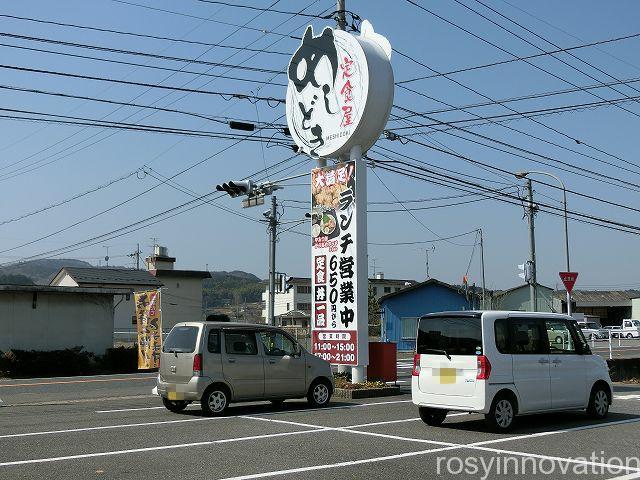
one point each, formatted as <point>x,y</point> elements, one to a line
<point>197,365</point>
<point>484,368</point>
<point>416,365</point>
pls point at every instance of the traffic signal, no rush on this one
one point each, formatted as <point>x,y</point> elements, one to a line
<point>236,188</point>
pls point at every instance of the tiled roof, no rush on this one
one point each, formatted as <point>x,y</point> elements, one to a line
<point>110,276</point>
<point>600,296</point>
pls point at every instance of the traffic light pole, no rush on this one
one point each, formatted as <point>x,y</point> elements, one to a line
<point>533,291</point>
<point>273,225</point>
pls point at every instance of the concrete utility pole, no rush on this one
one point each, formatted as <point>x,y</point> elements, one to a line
<point>484,292</point>
<point>533,291</point>
<point>342,20</point>
<point>273,225</point>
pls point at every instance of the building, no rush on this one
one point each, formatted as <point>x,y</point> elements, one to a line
<point>518,299</point>
<point>610,306</point>
<point>181,290</point>
<point>296,301</point>
<point>400,310</point>
<point>39,317</point>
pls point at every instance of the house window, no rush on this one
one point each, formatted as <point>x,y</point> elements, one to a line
<point>303,289</point>
<point>387,289</point>
<point>303,307</point>
<point>409,326</point>
<point>288,306</point>
<point>397,289</point>
<point>375,290</point>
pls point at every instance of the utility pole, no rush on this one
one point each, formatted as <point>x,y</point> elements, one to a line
<point>533,293</point>
<point>273,225</point>
<point>484,292</point>
<point>136,254</point>
<point>342,20</point>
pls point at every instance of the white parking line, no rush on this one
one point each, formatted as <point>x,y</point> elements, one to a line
<point>473,446</point>
<point>626,397</point>
<point>152,449</point>
<point>356,405</point>
<point>111,427</point>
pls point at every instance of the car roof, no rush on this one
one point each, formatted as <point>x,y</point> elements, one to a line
<point>230,325</point>
<point>480,313</point>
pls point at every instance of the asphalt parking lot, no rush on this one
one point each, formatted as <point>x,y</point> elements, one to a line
<point>111,427</point>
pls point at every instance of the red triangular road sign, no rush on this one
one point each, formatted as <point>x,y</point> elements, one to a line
<point>569,280</point>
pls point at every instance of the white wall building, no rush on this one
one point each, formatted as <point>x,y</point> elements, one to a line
<point>36,317</point>
<point>294,306</point>
<point>180,290</point>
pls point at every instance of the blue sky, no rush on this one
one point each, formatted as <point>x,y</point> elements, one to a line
<point>71,160</point>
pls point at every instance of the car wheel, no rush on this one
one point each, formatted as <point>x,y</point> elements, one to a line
<point>175,406</point>
<point>215,401</point>
<point>501,415</point>
<point>598,402</point>
<point>558,339</point>
<point>319,394</point>
<point>592,336</point>
<point>629,335</point>
<point>432,416</point>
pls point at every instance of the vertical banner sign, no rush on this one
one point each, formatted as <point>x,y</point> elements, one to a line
<point>334,263</point>
<point>149,322</point>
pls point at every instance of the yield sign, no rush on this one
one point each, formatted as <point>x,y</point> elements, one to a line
<point>569,280</point>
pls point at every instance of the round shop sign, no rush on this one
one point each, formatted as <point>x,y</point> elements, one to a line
<point>340,91</point>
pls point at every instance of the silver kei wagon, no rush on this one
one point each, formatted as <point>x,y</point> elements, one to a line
<point>216,363</point>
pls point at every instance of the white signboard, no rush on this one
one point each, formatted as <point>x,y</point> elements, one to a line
<point>336,292</point>
<point>340,91</point>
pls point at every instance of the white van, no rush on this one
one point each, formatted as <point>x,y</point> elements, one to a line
<point>504,364</point>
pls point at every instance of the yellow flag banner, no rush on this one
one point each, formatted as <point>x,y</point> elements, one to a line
<point>149,322</point>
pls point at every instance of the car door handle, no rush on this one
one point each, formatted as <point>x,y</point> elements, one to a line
<point>543,361</point>
<point>232,360</point>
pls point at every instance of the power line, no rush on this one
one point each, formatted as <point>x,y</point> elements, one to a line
<point>519,58</point>
<point>140,65</point>
<point>143,35</point>
<point>224,95</point>
<point>259,9</point>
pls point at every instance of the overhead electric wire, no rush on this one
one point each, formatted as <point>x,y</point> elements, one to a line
<point>261,9</point>
<point>142,35</point>
<point>141,65</point>
<point>174,88</point>
<point>491,99</point>
<point>519,58</point>
<point>393,244</point>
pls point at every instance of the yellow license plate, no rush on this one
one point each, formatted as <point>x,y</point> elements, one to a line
<point>447,375</point>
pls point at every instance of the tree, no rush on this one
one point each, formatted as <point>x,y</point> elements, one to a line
<point>15,279</point>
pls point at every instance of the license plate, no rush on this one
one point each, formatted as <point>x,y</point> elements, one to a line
<point>447,376</point>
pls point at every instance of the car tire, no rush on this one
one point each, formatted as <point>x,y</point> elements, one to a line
<point>598,407</point>
<point>502,414</point>
<point>432,416</point>
<point>319,394</point>
<point>629,335</point>
<point>175,406</point>
<point>277,403</point>
<point>215,400</point>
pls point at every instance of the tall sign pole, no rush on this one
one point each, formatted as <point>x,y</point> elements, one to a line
<point>273,226</point>
<point>533,291</point>
<point>339,97</point>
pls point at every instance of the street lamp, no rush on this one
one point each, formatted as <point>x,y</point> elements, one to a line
<point>522,175</point>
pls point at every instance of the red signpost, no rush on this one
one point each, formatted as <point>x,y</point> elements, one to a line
<point>569,280</point>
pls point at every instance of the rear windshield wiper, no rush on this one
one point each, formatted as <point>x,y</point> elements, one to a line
<point>435,350</point>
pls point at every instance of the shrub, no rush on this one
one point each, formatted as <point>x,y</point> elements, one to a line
<point>119,360</point>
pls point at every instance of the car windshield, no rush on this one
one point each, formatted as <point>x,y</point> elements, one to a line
<point>592,325</point>
<point>181,340</point>
<point>450,336</point>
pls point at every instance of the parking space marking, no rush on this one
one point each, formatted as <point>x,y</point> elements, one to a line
<point>157,448</point>
<point>626,397</point>
<point>66,382</point>
<point>630,476</point>
<point>356,405</point>
<point>111,427</point>
<point>473,446</point>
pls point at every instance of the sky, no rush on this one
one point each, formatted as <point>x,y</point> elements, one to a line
<point>43,164</point>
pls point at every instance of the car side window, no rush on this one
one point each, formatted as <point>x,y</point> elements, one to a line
<point>276,344</point>
<point>213,342</point>
<point>560,337</point>
<point>501,328</point>
<point>527,336</point>
<point>240,342</point>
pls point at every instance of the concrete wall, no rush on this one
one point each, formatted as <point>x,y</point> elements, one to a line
<point>58,321</point>
<point>414,304</point>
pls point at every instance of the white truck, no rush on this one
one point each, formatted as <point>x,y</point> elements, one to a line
<point>630,328</point>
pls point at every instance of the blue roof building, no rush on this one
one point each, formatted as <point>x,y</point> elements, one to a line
<point>401,310</point>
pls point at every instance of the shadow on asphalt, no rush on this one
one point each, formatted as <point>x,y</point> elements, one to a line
<point>266,408</point>
<point>544,422</point>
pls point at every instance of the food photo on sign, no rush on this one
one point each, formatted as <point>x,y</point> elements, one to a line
<point>327,187</point>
